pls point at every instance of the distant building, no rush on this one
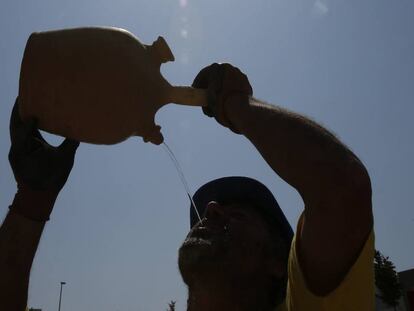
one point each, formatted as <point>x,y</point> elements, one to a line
<point>407,283</point>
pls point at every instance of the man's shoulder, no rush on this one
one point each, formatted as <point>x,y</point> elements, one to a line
<point>357,287</point>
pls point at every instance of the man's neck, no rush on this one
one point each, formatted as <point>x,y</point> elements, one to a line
<point>234,296</point>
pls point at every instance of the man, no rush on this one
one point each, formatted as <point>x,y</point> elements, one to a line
<point>241,255</point>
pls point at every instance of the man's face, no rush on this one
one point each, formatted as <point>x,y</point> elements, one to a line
<point>231,240</point>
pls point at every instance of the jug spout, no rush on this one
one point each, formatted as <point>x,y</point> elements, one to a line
<point>185,95</point>
<point>160,51</point>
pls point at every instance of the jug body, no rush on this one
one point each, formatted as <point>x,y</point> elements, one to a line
<point>95,85</point>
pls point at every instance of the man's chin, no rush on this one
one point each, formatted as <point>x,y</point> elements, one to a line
<point>196,250</point>
<point>198,254</point>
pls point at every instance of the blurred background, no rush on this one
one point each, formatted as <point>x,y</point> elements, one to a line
<point>117,225</point>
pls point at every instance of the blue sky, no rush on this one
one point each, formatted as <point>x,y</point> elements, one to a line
<point>117,225</point>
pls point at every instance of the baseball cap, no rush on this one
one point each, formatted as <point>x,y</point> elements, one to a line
<point>240,189</point>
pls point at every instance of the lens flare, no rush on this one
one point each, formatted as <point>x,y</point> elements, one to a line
<point>184,33</point>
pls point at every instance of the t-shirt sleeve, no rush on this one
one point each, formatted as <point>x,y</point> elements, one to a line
<point>356,291</point>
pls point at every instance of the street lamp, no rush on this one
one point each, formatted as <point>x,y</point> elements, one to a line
<point>60,296</point>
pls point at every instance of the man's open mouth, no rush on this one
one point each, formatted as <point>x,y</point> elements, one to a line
<point>206,234</point>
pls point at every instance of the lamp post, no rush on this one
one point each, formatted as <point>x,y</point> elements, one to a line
<point>60,296</point>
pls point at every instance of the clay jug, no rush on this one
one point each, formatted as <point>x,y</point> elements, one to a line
<point>97,85</point>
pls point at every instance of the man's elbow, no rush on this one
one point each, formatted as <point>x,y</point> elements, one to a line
<point>357,185</point>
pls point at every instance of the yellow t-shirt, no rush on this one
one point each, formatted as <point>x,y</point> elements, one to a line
<point>355,293</point>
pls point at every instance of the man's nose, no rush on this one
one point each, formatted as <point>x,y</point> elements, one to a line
<point>214,210</point>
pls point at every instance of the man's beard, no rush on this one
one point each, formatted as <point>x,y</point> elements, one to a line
<point>200,255</point>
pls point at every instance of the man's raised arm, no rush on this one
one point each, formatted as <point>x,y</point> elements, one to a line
<point>41,171</point>
<point>333,183</point>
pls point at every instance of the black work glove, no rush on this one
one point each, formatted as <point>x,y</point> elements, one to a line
<point>224,83</point>
<point>41,170</point>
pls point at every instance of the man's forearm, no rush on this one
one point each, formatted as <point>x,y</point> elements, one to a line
<point>303,153</point>
<point>19,238</point>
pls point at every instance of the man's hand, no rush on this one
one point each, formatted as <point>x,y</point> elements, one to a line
<point>41,170</point>
<point>228,89</point>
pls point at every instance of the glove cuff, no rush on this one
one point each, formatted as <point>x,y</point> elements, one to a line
<point>32,204</point>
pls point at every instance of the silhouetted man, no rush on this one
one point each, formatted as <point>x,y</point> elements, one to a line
<point>242,255</point>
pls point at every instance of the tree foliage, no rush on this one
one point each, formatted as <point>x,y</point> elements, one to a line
<point>386,280</point>
<point>171,306</point>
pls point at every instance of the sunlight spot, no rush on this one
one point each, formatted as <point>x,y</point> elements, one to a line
<point>320,8</point>
<point>184,33</point>
<point>183,3</point>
